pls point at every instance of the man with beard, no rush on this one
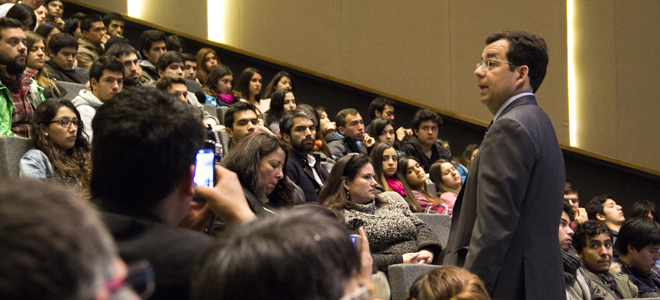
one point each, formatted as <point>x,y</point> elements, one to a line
<point>19,95</point>
<point>305,168</point>
<point>129,58</point>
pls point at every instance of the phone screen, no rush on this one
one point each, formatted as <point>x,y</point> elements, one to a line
<point>204,167</point>
<point>356,239</point>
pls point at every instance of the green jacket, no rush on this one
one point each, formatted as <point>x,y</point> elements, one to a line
<point>599,290</point>
<point>35,96</point>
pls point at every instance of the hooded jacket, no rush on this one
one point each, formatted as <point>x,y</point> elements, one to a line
<point>87,103</point>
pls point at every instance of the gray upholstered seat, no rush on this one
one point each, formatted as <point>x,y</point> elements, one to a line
<point>220,113</point>
<point>403,275</point>
<point>72,89</point>
<point>12,149</point>
<point>440,225</point>
<point>210,109</point>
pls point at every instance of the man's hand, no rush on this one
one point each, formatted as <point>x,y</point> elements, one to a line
<point>403,134</point>
<point>59,22</point>
<point>226,198</point>
<point>365,257</point>
<point>105,39</point>
<point>196,216</point>
<point>581,216</point>
<point>368,141</point>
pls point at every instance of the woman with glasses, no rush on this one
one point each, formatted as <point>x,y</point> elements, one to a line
<point>395,234</point>
<point>61,151</point>
<point>415,177</point>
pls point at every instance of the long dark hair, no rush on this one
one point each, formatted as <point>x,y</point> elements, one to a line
<point>211,85</point>
<point>72,163</point>
<point>42,77</point>
<point>376,157</point>
<point>245,160</point>
<point>272,85</point>
<point>333,194</point>
<point>403,170</point>
<point>243,86</point>
<point>276,110</point>
<point>22,12</point>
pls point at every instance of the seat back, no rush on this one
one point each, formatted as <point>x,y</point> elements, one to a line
<point>210,109</point>
<point>440,225</point>
<point>220,114</point>
<point>402,277</point>
<point>12,148</point>
<point>72,89</point>
<point>224,140</point>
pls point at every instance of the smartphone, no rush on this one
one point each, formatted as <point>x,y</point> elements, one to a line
<point>356,239</point>
<point>205,168</point>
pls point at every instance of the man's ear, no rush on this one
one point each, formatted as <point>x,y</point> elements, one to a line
<point>632,249</point>
<point>187,186</point>
<point>286,137</point>
<point>600,217</point>
<point>50,53</point>
<point>230,133</point>
<point>160,73</point>
<point>522,75</point>
<point>341,129</point>
<point>415,131</point>
<point>378,113</point>
<point>93,84</point>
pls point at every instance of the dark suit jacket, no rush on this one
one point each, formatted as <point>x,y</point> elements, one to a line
<point>301,175</point>
<point>506,216</point>
<point>172,251</point>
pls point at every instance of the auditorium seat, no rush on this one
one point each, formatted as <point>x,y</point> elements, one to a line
<point>12,149</point>
<point>220,113</point>
<point>440,225</point>
<point>211,110</point>
<point>72,89</point>
<point>402,277</point>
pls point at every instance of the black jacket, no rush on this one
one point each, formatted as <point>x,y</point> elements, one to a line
<point>76,75</point>
<point>301,174</point>
<point>411,148</point>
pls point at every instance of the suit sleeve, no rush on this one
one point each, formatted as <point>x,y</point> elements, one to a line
<point>507,156</point>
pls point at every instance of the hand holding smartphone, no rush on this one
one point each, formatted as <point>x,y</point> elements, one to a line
<point>204,168</point>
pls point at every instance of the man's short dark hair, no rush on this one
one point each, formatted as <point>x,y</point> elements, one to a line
<point>167,59</point>
<point>569,210</point>
<point>237,107</point>
<point>188,57</point>
<point>569,189</point>
<point>61,40</point>
<point>120,49</point>
<point>379,105</point>
<point>105,63</point>
<point>109,17</point>
<point>168,80</point>
<point>6,22</point>
<point>637,233</point>
<point>423,115</point>
<point>642,208</point>
<point>302,253</point>
<point>595,206</point>
<point>525,49</point>
<point>340,118</point>
<point>88,20</point>
<point>149,37</point>
<point>53,243</point>
<point>174,42</point>
<point>590,228</point>
<point>116,40</point>
<point>145,141</point>
<point>286,123</point>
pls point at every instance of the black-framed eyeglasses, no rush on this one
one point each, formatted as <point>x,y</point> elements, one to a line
<point>65,122</point>
<point>140,278</point>
<point>488,62</point>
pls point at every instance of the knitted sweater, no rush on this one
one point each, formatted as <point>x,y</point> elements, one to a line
<point>392,230</point>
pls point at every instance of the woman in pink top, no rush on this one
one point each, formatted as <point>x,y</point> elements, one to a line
<point>415,177</point>
<point>445,176</point>
<point>385,161</point>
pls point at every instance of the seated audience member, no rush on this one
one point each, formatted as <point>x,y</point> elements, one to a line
<point>20,94</point>
<point>603,208</point>
<point>249,88</point>
<point>41,14</point>
<point>240,121</point>
<point>382,131</point>
<point>571,195</point>
<point>381,107</point>
<point>305,169</point>
<point>412,171</point>
<point>107,77</point>
<point>207,59</point>
<point>261,163</point>
<point>114,22</point>
<point>320,146</point>
<point>447,180</point>
<point>282,80</point>
<point>468,156</point>
<point>61,151</point>
<point>190,70</point>
<point>310,248</point>
<point>62,50</point>
<point>36,57</point>
<point>91,44</point>
<point>576,285</point>
<point>448,283</point>
<point>385,163</point>
<point>422,145</point>
<point>395,234</point>
<point>176,85</point>
<point>47,30</point>
<point>152,46</point>
<point>127,55</point>
<point>54,246</point>
<point>115,40</point>
<point>55,12</point>
<point>593,243</point>
<point>217,89</point>
<point>644,209</point>
<point>72,25</point>
<point>171,62</point>
<point>145,197</point>
<point>282,100</point>
<point>24,14</point>
<point>638,245</point>
<point>174,42</point>
<point>349,136</point>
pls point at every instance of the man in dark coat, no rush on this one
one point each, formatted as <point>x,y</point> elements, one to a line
<point>513,196</point>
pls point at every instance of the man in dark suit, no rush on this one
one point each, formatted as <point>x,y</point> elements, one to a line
<point>145,142</point>
<point>508,209</point>
<point>305,168</point>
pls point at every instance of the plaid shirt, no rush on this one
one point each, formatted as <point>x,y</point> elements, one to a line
<point>19,88</point>
<point>432,208</point>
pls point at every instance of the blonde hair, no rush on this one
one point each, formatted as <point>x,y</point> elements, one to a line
<point>448,283</point>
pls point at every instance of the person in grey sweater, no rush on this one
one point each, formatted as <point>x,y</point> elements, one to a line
<point>395,234</point>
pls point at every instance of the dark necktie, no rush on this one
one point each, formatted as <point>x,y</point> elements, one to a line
<point>491,124</point>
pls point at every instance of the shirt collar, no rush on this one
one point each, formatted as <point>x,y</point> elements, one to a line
<point>507,102</point>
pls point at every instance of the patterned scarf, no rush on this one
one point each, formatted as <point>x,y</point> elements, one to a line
<point>571,263</point>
